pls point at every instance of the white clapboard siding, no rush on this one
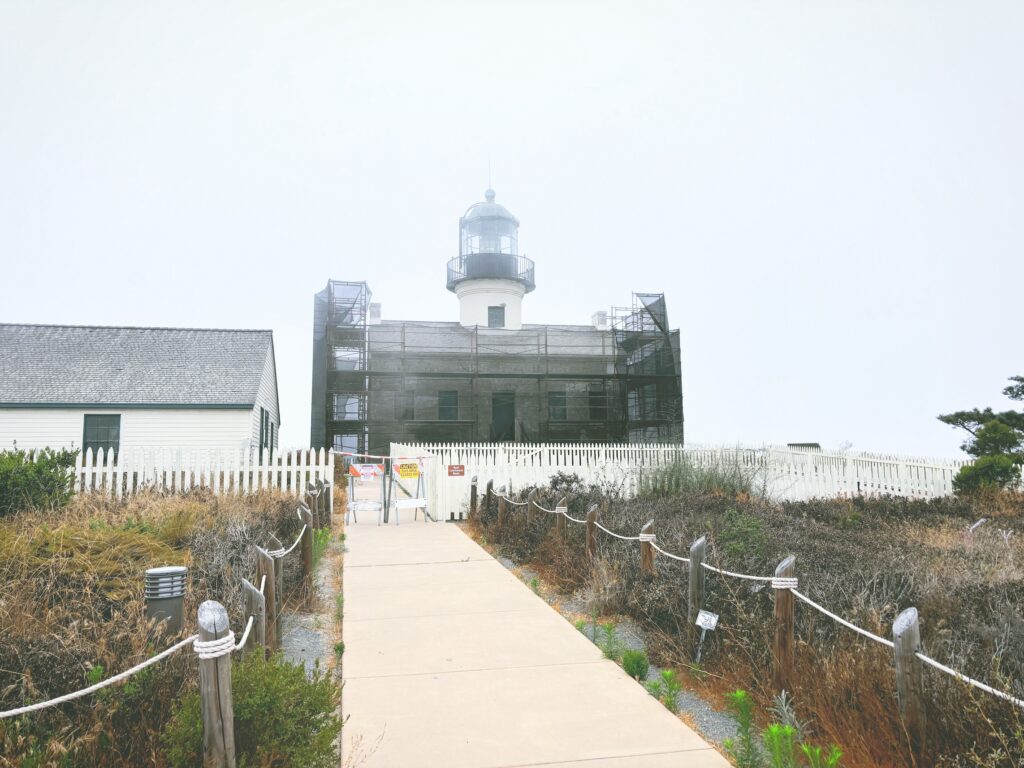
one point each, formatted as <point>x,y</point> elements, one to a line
<point>785,474</point>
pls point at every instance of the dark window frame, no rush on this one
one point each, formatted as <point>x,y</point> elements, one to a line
<point>491,314</point>
<point>558,411</point>
<point>597,404</point>
<point>106,442</point>
<point>448,411</point>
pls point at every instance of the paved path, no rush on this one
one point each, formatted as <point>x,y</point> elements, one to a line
<point>452,661</point>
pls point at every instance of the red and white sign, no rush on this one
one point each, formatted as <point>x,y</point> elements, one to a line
<point>366,471</point>
<point>456,470</point>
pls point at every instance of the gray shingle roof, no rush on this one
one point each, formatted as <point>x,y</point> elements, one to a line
<point>64,364</point>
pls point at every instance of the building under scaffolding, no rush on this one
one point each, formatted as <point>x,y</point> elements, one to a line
<point>489,377</point>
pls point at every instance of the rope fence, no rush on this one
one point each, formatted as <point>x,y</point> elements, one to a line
<point>217,648</point>
<point>906,634</point>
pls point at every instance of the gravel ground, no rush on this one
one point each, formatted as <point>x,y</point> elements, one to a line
<point>309,637</point>
<point>713,725</point>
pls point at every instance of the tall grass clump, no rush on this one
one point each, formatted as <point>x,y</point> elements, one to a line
<point>723,474</point>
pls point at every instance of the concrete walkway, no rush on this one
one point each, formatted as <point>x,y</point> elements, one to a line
<point>452,661</point>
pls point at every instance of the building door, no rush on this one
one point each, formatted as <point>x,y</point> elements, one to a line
<point>503,416</point>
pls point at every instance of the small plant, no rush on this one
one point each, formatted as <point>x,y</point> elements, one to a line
<point>784,712</point>
<point>635,664</point>
<point>609,642</point>
<point>744,749</point>
<point>321,538</point>
<point>781,744</point>
<point>815,758</point>
<point>666,689</point>
<point>339,649</point>
<point>581,625</point>
<point>339,608</point>
<point>535,585</point>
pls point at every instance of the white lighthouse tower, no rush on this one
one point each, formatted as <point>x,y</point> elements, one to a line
<point>489,276</point>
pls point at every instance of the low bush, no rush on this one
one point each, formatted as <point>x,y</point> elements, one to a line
<point>282,717</point>
<point>41,480</point>
<point>635,664</point>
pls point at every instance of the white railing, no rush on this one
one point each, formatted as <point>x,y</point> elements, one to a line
<point>782,473</point>
<point>178,470</point>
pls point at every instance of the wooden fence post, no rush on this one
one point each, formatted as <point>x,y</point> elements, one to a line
<point>215,691</point>
<point>592,531</point>
<point>695,599</point>
<point>501,508</point>
<point>309,502</point>
<point>647,550</point>
<point>560,520</point>
<point>489,496</point>
<point>783,649</point>
<point>472,498</point>
<point>906,637</point>
<point>255,606</point>
<point>278,590</point>
<point>531,506</point>
<point>307,553</point>
<point>265,570</point>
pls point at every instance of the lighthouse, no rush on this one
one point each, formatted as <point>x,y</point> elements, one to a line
<point>489,276</point>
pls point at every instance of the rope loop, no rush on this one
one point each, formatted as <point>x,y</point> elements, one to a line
<point>214,649</point>
<point>649,538</point>
<point>784,582</point>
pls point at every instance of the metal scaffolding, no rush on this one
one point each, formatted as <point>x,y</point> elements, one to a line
<point>418,381</point>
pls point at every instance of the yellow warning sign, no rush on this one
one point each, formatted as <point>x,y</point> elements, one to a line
<point>409,471</point>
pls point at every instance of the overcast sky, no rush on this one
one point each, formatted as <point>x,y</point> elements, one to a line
<point>829,194</point>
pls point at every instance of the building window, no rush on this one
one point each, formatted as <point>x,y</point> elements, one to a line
<point>102,432</point>
<point>598,404</point>
<point>346,407</point>
<point>557,408</point>
<point>496,317</point>
<point>448,405</point>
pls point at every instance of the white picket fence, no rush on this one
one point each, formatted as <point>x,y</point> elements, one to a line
<point>782,473</point>
<point>179,470</point>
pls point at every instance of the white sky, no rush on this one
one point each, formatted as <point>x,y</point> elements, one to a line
<point>830,194</point>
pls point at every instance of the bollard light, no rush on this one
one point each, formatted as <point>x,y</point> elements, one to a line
<point>165,596</point>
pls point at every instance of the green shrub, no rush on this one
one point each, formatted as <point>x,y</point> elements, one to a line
<point>636,664</point>
<point>42,480</point>
<point>666,689</point>
<point>282,717</point>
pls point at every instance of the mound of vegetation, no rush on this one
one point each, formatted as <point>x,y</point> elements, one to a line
<point>72,613</point>
<point>865,559</point>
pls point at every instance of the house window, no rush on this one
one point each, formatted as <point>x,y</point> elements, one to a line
<point>102,432</point>
<point>496,317</point>
<point>557,408</point>
<point>598,404</point>
<point>448,405</point>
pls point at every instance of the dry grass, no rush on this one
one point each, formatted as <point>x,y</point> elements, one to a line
<point>72,602</point>
<point>865,559</point>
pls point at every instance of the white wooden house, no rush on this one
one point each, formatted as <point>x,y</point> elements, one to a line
<point>132,388</point>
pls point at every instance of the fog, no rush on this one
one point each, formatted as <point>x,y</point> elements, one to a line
<point>829,194</point>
